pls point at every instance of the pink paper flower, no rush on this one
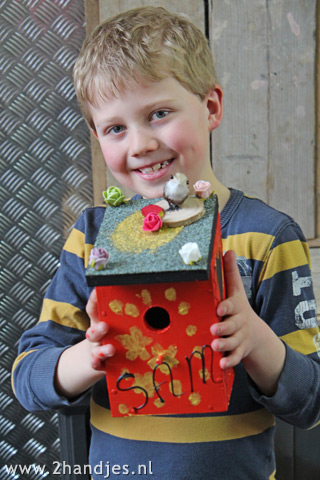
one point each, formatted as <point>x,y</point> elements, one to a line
<point>98,258</point>
<point>202,189</point>
<point>152,222</point>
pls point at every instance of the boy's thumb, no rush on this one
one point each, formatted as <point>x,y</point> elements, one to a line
<point>231,274</point>
<point>92,307</point>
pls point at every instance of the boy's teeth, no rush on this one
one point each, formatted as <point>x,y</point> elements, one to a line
<point>156,167</point>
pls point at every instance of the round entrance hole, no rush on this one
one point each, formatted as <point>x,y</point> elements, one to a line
<point>157,318</point>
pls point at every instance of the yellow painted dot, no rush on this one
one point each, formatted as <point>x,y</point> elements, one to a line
<point>184,308</point>
<point>170,294</point>
<point>123,371</point>
<point>197,348</point>
<point>116,306</point>
<point>191,330</point>
<point>131,310</point>
<point>130,237</point>
<point>195,398</point>
<point>158,403</point>
<point>123,409</point>
<point>177,387</point>
<point>146,297</point>
<point>145,381</point>
<point>206,374</point>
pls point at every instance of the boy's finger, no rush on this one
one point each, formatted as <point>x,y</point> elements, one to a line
<point>228,344</point>
<point>231,360</point>
<point>92,307</point>
<point>233,280</point>
<point>222,329</point>
<point>107,350</point>
<point>100,354</point>
<point>97,331</point>
<point>226,307</point>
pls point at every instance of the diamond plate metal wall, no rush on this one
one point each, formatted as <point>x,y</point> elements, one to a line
<point>45,182</point>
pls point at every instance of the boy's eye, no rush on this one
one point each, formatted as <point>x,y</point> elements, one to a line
<point>160,114</point>
<point>116,129</point>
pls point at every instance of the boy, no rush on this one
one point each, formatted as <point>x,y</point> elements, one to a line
<point>146,84</point>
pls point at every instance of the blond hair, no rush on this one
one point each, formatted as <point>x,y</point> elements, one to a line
<point>146,43</point>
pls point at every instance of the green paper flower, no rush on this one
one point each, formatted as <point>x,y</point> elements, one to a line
<point>113,196</point>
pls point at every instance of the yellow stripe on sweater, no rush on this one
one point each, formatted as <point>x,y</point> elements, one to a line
<point>255,246</point>
<point>76,244</point>
<point>251,245</point>
<point>182,429</point>
<point>302,341</point>
<point>288,255</point>
<point>15,364</point>
<point>64,314</point>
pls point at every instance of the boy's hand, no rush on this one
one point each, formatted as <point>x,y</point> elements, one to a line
<point>238,324</point>
<point>82,365</point>
<point>95,334</point>
<point>244,335</point>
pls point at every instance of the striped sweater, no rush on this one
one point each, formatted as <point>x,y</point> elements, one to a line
<point>274,263</point>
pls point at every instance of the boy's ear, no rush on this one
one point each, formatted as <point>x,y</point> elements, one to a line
<point>92,130</point>
<point>215,107</point>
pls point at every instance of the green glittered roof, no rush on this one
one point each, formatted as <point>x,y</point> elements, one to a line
<point>139,257</point>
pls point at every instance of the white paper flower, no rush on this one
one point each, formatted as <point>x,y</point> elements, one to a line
<point>190,253</point>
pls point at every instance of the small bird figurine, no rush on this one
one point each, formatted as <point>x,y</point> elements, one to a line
<point>176,190</point>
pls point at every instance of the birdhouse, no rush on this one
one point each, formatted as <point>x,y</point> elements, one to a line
<point>159,311</point>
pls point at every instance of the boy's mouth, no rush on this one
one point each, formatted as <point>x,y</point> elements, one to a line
<point>155,168</point>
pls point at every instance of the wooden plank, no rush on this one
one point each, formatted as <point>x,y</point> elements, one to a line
<point>91,8</point>
<point>297,452</point>
<point>307,453</point>
<point>97,160</point>
<point>284,450</point>
<point>99,171</point>
<point>74,430</point>
<point>292,109</point>
<point>315,269</point>
<point>265,61</point>
<point>314,242</point>
<point>317,166</point>
<point>195,9</point>
<point>240,145</point>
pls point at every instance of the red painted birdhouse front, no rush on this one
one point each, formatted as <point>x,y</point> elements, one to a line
<point>159,311</point>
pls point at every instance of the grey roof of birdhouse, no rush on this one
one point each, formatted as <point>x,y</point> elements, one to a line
<point>161,264</point>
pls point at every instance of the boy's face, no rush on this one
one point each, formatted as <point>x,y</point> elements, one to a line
<point>154,130</point>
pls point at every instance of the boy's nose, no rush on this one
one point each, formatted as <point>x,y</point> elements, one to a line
<point>142,142</point>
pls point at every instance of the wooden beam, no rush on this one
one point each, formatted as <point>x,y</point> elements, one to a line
<point>92,16</point>
<point>91,8</point>
<point>317,150</point>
